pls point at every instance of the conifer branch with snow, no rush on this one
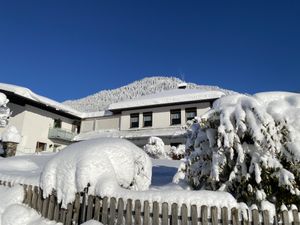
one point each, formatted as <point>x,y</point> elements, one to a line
<point>248,146</point>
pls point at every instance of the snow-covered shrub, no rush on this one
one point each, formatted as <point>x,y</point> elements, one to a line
<point>155,148</point>
<point>11,134</point>
<point>177,152</point>
<point>105,165</point>
<point>248,146</point>
<point>4,110</point>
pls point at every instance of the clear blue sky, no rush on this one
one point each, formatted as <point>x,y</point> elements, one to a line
<point>70,49</point>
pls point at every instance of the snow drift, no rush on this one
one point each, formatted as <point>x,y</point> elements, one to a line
<point>103,164</point>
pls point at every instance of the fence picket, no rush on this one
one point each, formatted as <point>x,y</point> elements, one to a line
<point>56,211</point>
<point>155,212</point>
<point>266,219</point>
<point>97,209</point>
<point>204,218</point>
<point>120,211</point>
<point>34,197</point>
<point>184,215</point>
<point>285,217</point>
<point>112,211</point>
<point>146,218</point>
<point>165,213</point>
<point>69,214</point>
<point>29,196</point>
<point>82,213</point>
<point>224,216</point>
<point>128,215</point>
<point>40,201</point>
<point>174,214</point>
<point>214,215</point>
<point>50,210</point>
<point>235,216</point>
<point>194,215</point>
<point>137,210</point>
<point>76,208</point>
<point>295,217</point>
<point>255,217</point>
<point>89,211</point>
<point>45,207</point>
<point>104,213</point>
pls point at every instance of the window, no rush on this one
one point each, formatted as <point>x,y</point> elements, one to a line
<point>134,120</point>
<point>190,113</point>
<point>40,147</point>
<point>147,117</point>
<point>76,127</point>
<point>175,117</point>
<point>57,123</point>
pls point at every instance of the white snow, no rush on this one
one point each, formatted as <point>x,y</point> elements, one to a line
<point>4,110</point>
<point>11,134</point>
<point>168,97</point>
<point>155,148</point>
<point>146,86</point>
<point>25,169</point>
<point>105,164</point>
<point>12,212</point>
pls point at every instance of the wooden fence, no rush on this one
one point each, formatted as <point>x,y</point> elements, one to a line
<point>112,211</point>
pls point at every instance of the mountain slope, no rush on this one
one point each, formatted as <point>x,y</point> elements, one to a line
<point>149,85</point>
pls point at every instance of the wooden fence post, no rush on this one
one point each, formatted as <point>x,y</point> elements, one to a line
<point>184,215</point>
<point>128,215</point>
<point>194,215</point>
<point>146,218</point>
<point>165,213</point>
<point>155,212</point>
<point>214,215</point>
<point>137,210</point>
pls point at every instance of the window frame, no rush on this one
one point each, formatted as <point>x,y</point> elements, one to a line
<point>38,144</point>
<point>192,109</point>
<point>172,112</point>
<point>57,123</point>
<point>151,121</point>
<point>135,115</point>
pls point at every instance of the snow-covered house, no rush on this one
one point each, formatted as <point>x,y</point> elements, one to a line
<point>162,115</point>
<point>44,124</point>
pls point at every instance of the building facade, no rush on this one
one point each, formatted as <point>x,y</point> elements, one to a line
<point>44,125</point>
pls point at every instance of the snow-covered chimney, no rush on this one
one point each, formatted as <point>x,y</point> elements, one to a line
<point>182,85</point>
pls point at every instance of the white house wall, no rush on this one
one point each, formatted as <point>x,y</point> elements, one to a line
<point>100,123</point>
<point>36,124</point>
<point>161,115</point>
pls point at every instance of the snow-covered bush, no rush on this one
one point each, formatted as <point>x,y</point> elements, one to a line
<point>4,110</point>
<point>248,146</point>
<point>105,165</point>
<point>11,134</point>
<point>177,152</point>
<point>155,148</point>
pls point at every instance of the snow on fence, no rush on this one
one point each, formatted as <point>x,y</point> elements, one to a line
<point>111,211</point>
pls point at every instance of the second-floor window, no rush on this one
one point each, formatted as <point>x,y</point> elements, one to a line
<point>190,113</point>
<point>175,117</point>
<point>134,120</point>
<point>57,123</point>
<point>147,117</point>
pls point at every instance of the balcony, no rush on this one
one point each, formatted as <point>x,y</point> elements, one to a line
<point>61,134</point>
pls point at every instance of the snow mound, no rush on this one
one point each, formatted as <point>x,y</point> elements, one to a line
<point>11,134</point>
<point>104,164</point>
<point>17,214</point>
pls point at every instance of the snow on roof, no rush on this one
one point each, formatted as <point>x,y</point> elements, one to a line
<point>168,97</point>
<point>27,93</point>
<point>172,131</point>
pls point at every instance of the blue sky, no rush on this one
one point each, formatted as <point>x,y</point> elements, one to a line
<point>71,49</point>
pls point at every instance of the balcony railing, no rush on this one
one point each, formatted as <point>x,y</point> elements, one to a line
<point>61,134</point>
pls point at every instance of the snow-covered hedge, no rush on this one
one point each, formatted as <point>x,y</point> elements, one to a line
<point>11,134</point>
<point>248,146</point>
<point>4,110</point>
<point>155,148</point>
<point>105,165</point>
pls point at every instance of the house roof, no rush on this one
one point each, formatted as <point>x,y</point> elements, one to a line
<point>167,97</point>
<point>49,103</point>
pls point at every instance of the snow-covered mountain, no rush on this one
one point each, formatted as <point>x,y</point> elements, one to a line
<point>149,85</point>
